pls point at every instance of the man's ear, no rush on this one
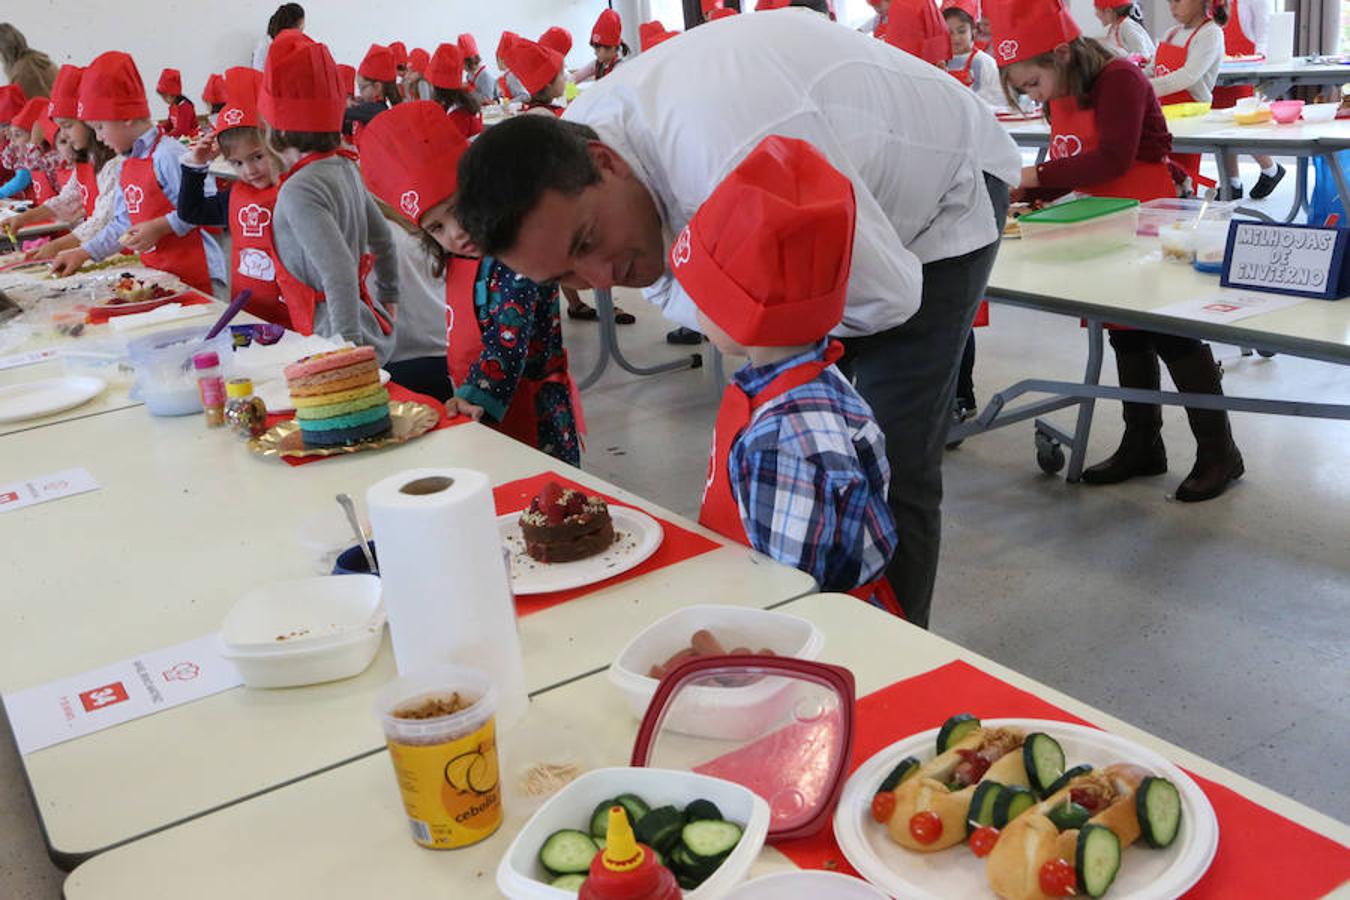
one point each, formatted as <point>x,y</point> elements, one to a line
<point>608,161</point>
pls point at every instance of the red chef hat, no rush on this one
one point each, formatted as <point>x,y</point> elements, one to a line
<point>410,155</point>
<point>418,60</point>
<point>170,82</point>
<point>969,7</point>
<point>12,100</point>
<point>468,45</point>
<point>608,30</point>
<point>652,33</point>
<point>766,256</point>
<point>400,51</point>
<point>710,5</point>
<point>379,64</point>
<point>504,43</point>
<point>535,65</point>
<point>242,86</point>
<point>32,110</point>
<point>720,13</point>
<point>1024,29</point>
<point>65,93</point>
<point>214,92</point>
<point>300,87</point>
<point>763,5</point>
<point>1109,4</point>
<point>558,39</point>
<point>347,78</point>
<point>49,129</point>
<point>916,27</point>
<point>111,89</point>
<point>446,69</point>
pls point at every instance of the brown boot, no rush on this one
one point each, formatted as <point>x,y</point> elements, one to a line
<point>1141,450</point>
<point>1217,460</point>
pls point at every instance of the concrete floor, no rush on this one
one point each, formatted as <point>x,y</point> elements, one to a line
<point>1223,627</point>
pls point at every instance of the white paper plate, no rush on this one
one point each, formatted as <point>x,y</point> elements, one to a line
<point>637,537</point>
<point>46,396</point>
<point>277,398</point>
<point>956,873</point>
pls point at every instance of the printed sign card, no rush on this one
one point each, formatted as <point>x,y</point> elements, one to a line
<point>1287,259</point>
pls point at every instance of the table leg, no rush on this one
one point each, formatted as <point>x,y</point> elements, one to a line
<point>1092,374</point>
<point>609,347</point>
<point>1225,187</point>
<point>1300,190</point>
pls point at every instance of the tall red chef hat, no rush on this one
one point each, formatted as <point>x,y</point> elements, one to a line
<point>418,60</point>
<point>608,30</point>
<point>347,78</point>
<point>111,89</point>
<point>767,255</point>
<point>557,39</point>
<point>378,65</point>
<point>170,82</point>
<point>764,5</point>
<point>916,27</point>
<point>969,7</point>
<point>214,92</point>
<point>1025,29</point>
<point>504,43</point>
<point>534,64</point>
<point>446,69</point>
<point>468,45</point>
<point>710,5</point>
<point>400,51</point>
<point>242,87</point>
<point>721,12</point>
<point>300,86</point>
<point>12,100</point>
<point>652,33</point>
<point>410,156</point>
<point>32,111</point>
<point>65,93</point>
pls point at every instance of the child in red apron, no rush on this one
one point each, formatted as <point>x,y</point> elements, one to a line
<point>377,77</point>
<point>30,157</point>
<point>508,87</point>
<point>504,343</point>
<point>540,71</point>
<point>1186,64</point>
<point>12,99</point>
<point>329,234</point>
<point>798,465</point>
<point>215,97</point>
<point>245,206</point>
<point>608,46</point>
<point>182,121</point>
<point>445,74</point>
<point>1244,35</point>
<point>476,73</point>
<point>1115,146</point>
<point>1125,33</point>
<point>969,65</point>
<point>876,25</point>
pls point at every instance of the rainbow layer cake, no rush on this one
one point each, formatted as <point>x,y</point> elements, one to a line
<point>338,397</point>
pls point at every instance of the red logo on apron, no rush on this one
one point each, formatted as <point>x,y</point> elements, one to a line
<point>253,219</point>
<point>1065,145</point>
<point>133,194</point>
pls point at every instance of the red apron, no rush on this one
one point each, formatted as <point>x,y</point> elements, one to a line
<point>1235,43</point>
<point>503,91</point>
<point>556,110</point>
<point>469,124</point>
<point>1073,130</point>
<point>183,256</point>
<point>719,510</point>
<point>464,347</point>
<point>43,189</point>
<point>603,69</point>
<point>253,255</point>
<point>88,186</point>
<point>300,299</point>
<point>966,76</point>
<point>1170,58</point>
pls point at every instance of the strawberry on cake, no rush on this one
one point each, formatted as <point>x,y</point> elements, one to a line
<point>338,397</point>
<point>562,525</point>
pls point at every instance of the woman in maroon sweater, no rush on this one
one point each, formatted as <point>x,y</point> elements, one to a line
<point>1108,138</point>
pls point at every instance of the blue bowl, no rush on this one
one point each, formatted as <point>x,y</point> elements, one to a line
<point>353,562</point>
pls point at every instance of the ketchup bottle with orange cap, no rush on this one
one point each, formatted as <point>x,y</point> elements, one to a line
<point>627,870</point>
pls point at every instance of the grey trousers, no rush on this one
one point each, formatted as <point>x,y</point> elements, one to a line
<point>908,376</point>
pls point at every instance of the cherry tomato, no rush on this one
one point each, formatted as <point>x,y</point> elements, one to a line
<point>983,840</point>
<point>1058,879</point>
<point>926,827</point>
<point>883,805</point>
<point>1087,799</point>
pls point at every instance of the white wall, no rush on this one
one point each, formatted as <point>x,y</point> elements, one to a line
<point>201,37</point>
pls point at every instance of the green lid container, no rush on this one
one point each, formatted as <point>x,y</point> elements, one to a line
<point>1084,209</point>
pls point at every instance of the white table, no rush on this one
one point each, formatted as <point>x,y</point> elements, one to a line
<point>1277,78</point>
<point>186,520</point>
<point>343,833</point>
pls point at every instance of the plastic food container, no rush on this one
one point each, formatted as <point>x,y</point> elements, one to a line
<point>304,631</point>
<point>1184,110</point>
<point>520,875</point>
<point>726,710</point>
<point>446,766</point>
<point>1158,214</point>
<point>165,380</point>
<point>1320,112</point>
<point>1080,229</point>
<point>807,885</point>
<point>1256,116</point>
<point>1286,111</point>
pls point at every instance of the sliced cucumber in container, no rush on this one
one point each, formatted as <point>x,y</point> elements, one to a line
<point>982,805</point>
<point>954,729</point>
<point>635,806</point>
<point>1097,859</point>
<point>1068,815</point>
<point>600,819</point>
<point>1068,776</point>
<point>1043,759</point>
<point>570,882</point>
<point>708,840</point>
<point>568,851</point>
<point>1158,805</point>
<point>660,828</point>
<point>906,768</point>
<point>1012,802</point>
<point>701,809</point>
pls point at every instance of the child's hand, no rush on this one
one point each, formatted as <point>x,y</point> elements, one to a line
<point>48,250</point>
<point>1030,178</point>
<point>458,407</point>
<point>202,150</point>
<point>68,262</point>
<point>143,237</point>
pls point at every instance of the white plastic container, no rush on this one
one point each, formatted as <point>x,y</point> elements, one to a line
<point>1155,215</point>
<point>165,381</point>
<point>1080,229</point>
<point>1320,112</point>
<point>304,631</point>
<point>520,875</point>
<point>727,711</point>
<point>807,885</point>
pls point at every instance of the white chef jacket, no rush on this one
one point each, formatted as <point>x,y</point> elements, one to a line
<point>914,142</point>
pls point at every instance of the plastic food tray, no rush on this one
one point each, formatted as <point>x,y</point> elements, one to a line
<point>1080,229</point>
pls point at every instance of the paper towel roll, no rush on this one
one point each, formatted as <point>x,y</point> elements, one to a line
<point>447,591</point>
<point>1280,37</point>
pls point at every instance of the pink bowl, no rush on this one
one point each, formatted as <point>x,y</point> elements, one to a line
<point>1286,111</point>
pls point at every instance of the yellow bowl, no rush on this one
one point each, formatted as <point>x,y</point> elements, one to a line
<point>1184,110</point>
<point>1256,117</point>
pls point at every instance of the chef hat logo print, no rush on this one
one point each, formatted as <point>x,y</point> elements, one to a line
<point>183,671</point>
<point>134,195</point>
<point>253,219</point>
<point>1161,69</point>
<point>232,116</point>
<point>410,203</point>
<point>683,249</point>
<point>1065,145</point>
<point>1008,49</point>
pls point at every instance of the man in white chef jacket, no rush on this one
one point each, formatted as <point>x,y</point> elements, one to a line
<point>596,199</point>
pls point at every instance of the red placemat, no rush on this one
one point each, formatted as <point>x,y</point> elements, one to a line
<point>677,544</point>
<point>397,394</point>
<point>1261,853</point>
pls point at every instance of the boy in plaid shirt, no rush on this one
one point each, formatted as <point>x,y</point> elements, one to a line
<point>798,465</point>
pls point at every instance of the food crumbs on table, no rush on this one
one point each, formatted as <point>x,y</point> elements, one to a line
<point>545,779</point>
<point>292,635</point>
<point>432,707</point>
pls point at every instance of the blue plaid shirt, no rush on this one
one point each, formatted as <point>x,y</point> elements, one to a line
<point>809,475</point>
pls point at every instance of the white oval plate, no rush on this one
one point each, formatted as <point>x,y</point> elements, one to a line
<point>277,398</point>
<point>956,874</point>
<point>637,537</point>
<point>47,396</point>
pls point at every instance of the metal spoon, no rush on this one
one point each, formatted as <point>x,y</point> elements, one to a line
<point>345,501</point>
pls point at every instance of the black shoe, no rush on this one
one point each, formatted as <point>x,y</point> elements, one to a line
<point>1235,192</point>
<point>1266,183</point>
<point>963,410</point>
<point>685,336</point>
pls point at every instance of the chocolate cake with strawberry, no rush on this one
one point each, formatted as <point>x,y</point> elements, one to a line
<point>563,525</point>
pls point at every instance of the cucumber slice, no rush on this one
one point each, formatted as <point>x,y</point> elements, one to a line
<point>1068,776</point>
<point>1044,761</point>
<point>568,851</point>
<point>1158,805</point>
<point>710,840</point>
<point>955,728</point>
<point>1012,802</point>
<point>687,882</point>
<point>681,861</point>
<point>600,819</point>
<point>905,768</point>
<point>570,882</point>
<point>635,806</point>
<point>1097,859</point>
<point>982,805</point>
<point>702,809</point>
<point>660,828</point>
<point>1068,815</point>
